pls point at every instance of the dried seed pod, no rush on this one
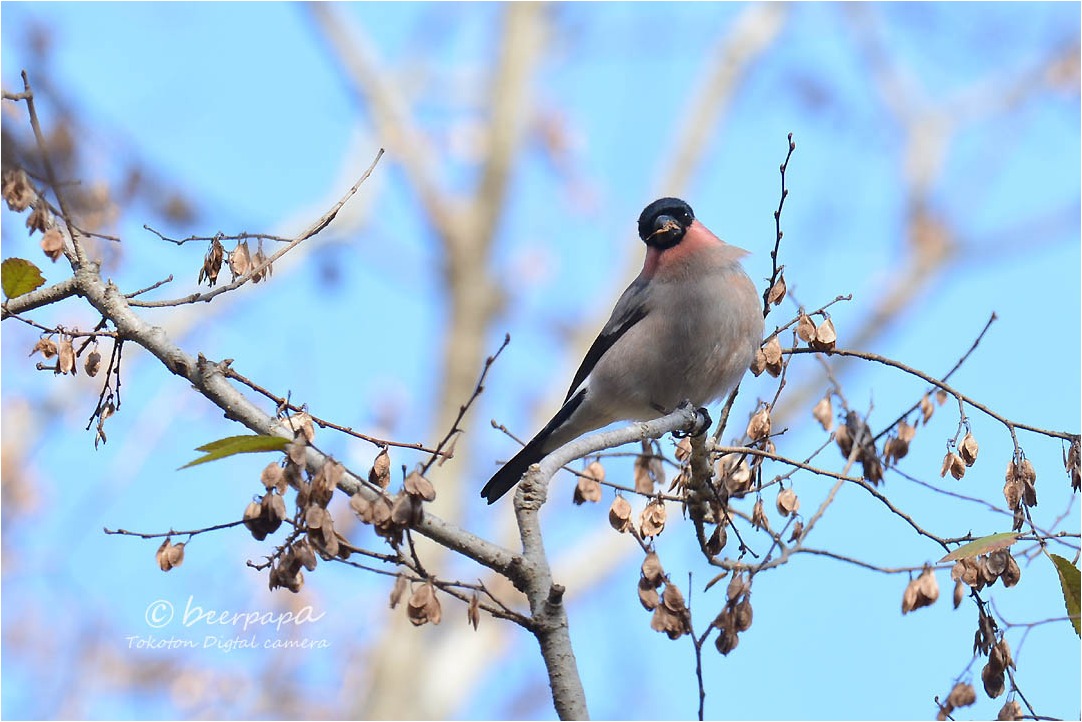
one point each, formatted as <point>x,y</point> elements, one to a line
<point>742,614</point>
<point>380,473</point>
<point>738,586</point>
<point>1012,492</point>
<point>321,489</point>
<point>240,260</point>
<point>673,599</point>
<point>652,570</point>
<point>926,409</point>
<point>17,191</point>
<point>258,260</point>
<point>423,606</point>
<point>1025,472</point>
<point>735,474</point>
<point>962,695</point>
<point>959,592</point>
<point>587,489</point>
<point>940,396</point>
<point>620,514</point>
<point>1072,461</point>
<point>1000,656</point>
<point>968,449</point>
<point>674,624</point>
<point>652,521</point>
<point>825,336</point>
<point>759,425</point>
<point>920,592</point>
<point>805,328</point>
<point>893,450</point>
<point>1012,573</point>
<point>304,554</point>
<point>406,510</point>
<point>994,682</point>
<point>717,540</point>
<point>758,516</point>
<point>758,362</point>
<point>843,440</point>
<point>648,595</point>
<point>1011,710</point>
<point>274,509</point>
<point>996,562</point>
<point>726,641</point>
<point>296,451</point>
<point>66,358</point>
<point>798,531</point>
<point>665,621</point>
<point>776,294</point>
<point>398,590</point>
<point>787,502</point>
<point>473,611</point>
<point>92,363</point>
<point>46,346</point>
<point>772,356</point>
<point>418,486</point>
<point>824,413</point>
<point>52,244</point>
<point>212,263</point>
<point>644,474</point>
<point>40,219</point>
<point>170,555</point>
<point>957,466</point>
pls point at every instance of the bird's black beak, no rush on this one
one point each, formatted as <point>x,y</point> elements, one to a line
<point>667,232</point>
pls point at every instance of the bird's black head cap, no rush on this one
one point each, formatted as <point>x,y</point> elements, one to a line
<point>664,222</point>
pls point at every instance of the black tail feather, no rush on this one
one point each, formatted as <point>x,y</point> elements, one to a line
<point>505,479</point>
<point>553,435</point>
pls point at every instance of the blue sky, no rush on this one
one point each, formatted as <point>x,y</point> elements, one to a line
<point>242,106</point>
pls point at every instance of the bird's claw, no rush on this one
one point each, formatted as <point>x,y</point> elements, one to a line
<point>702,423</point>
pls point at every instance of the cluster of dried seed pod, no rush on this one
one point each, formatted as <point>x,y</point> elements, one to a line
<point>822,337</point>
<point>390,516</point>
<point>66,354</point>
<point>896,446</point>
<point>1072,461</point>
<point>314,532</point>
<point>170,555</point>
<point>736,616</point>
<point>671,614</point>
<point>286,568</point>
<point>981,571</point>
<point>961,695</point>
<point>856,441</point>
<point>240,259</point>
<point>1018,488</point>
<point>20,194</point>
<point>956,462</point>
<point>994,672</point>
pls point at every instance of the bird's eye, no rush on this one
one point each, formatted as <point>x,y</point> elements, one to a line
<point>687,217</point>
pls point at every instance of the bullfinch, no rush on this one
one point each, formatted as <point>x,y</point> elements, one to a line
<point>685,330</point>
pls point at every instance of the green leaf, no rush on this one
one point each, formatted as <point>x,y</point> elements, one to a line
<point>230,445</point>
<point>1071,581</point>
<point>19,276</point>
<point>983,545</point>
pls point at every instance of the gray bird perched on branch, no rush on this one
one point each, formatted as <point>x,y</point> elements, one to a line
<point>685,330</point>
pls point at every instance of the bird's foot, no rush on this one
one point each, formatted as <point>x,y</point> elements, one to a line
<point>702,423</point>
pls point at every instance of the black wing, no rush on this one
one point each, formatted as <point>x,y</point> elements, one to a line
<point>630,309</point>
